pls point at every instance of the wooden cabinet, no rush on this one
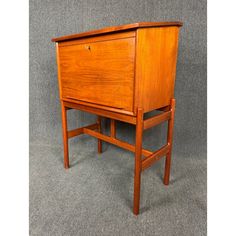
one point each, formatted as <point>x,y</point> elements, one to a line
<point>120,73</point>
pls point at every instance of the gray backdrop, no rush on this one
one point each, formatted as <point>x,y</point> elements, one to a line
<point>51,18</point>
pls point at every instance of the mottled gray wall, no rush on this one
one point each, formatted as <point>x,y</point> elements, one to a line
<point>55,18</point>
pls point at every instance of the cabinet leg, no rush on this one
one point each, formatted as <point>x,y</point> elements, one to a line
<point>138,156</point>
<point>65,136</point>
<point>99,122</point>
<point>169,141</point>
<point>113,128</point>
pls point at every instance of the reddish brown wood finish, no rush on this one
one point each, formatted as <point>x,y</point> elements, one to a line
<point>140,165</point>
<point>101,112</point>
<point>99,123</point>
<point>121,70</point>
<point>115,141</point>
<point>156,55</point>
<point>113,128</point>
<point>92,72</point>
<point>167,108</point>
<point>138,160</point>
<point>121,73</point>
<point>98,38</point>
<point>156,156</point>
<point>65,135</point>
<point>156,120</point>
<point>169,141</point>
<point>76,132</point>
<point>119,28</point>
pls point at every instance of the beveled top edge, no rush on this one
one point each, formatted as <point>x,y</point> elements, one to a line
<point>117,28</point>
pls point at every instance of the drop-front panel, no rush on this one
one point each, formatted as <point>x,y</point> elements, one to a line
<point>99,71</point>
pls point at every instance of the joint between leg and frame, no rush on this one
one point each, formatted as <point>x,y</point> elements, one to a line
<point>156,120</point>
<point>155,156</point>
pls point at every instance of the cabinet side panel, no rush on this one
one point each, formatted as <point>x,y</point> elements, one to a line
<point>156,56</point>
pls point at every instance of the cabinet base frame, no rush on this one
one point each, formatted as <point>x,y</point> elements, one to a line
<point>141,125</point>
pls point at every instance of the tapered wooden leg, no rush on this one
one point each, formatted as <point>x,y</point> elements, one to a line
<point>138,156</point>
<point>169,141</point>
<point>65,135</point>
<point>99,122</point>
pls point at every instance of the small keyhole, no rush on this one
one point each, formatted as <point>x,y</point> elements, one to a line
<point>88,47</point>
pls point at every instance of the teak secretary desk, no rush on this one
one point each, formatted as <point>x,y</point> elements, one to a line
<point>121,73</point>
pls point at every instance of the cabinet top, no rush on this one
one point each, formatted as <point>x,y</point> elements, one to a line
<point>116,29</point>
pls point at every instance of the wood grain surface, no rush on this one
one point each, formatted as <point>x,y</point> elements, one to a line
<point>99,72</point>
<point>116,29</point>
<point>156,56</point>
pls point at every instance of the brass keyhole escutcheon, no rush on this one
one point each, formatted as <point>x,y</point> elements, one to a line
<point>88,47</point>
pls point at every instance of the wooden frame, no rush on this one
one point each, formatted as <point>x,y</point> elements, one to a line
<point>140,163</point>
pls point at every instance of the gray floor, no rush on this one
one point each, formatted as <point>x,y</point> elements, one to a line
<point>94,197</point>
